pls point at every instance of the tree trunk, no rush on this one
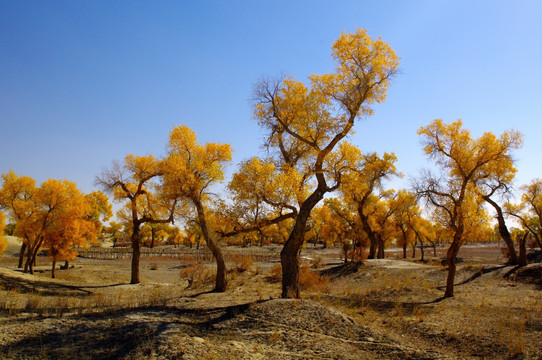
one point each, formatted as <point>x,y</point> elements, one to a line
<point>380,251</point>
<point>414,250</point>
<point>370,233</point>
<point>152,239</point>
<point>136,254</point>
<point>421,249</point>
<point>289,255</point>
<point>451,259</point>
<point>221,282</point>
<point>53,267</point>
<point>66,265</point>
<point>522,261</point>
<point>32,256</point>
<point>404,242</point>
<point>503,231</point>
<point>21,255</point>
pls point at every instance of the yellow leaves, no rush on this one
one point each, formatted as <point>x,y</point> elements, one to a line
<point>141,167</point>
<point>366,174</point>
<point>3,243</point>
<point>453,148</point>
<point>190,168</point>
<point>56,213</point>
<point>305,123</point>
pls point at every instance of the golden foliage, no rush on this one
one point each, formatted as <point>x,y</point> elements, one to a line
<point>3,242</point>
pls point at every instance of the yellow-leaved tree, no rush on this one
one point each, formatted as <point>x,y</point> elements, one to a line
<point>305,124</point>
<point>529,214</point>
<point>137,181</point>
<point>190,170</point>
<point>463,162</point>
<point>18,200</point>
<point>362,189</point>
<point>75,223</point>
<point>3,242</point>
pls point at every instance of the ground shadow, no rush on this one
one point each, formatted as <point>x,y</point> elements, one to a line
<point>475,276</point>
<point>46,288</point>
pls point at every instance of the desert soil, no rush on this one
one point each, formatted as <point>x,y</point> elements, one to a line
<point>382,309</point>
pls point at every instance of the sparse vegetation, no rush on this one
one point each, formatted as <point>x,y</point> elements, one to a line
<point>394,303</point>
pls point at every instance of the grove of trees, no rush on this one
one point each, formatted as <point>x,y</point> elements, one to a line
<point>312,185</point>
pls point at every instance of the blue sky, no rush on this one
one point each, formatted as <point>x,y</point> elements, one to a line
<point>85,82</point>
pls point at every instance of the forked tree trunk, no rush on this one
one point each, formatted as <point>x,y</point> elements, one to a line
<point>221,282</point>
<point>370,233</point>
<point>136,254</point>
<point>32,255</point>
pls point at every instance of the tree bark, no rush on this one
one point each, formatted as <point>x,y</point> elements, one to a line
<point>451,259</point>
<point>136,254</point>
<point>522,261</point>
<point>503,231</point>
<point>404,242</point>
<point>221,282</point>
<point>21,255</point>
<point>370,233</point>
<point>53,267</point>
<point>380,251</point>
<point>289,255</point>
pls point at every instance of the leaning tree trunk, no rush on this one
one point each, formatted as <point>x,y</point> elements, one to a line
<point>370,233</point>
<point>21,255</point>
<point>221,283</point>
<point>503,231</point>
<point>136,254</point>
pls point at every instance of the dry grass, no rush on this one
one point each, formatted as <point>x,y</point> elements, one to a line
<point>490,316</point>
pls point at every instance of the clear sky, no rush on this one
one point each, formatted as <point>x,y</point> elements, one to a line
<point>85,82</point>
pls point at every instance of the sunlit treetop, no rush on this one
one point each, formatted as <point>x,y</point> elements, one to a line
<point>304,121</point>
<point>453,148</point>
<point>191,168</point>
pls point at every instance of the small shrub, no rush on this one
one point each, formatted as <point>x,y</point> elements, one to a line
<point>317,262</point>
<point>242,262</point>
<point>309,280</point>
<point>275,274</point>
<point>196,274</point>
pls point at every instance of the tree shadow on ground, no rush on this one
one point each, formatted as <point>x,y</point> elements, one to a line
<point>22,285</point>
<point>89,340</point>
<point>115,334</point>
<point>475,276</point>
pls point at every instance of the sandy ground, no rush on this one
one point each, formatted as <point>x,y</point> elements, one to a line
<point>383,309</point>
